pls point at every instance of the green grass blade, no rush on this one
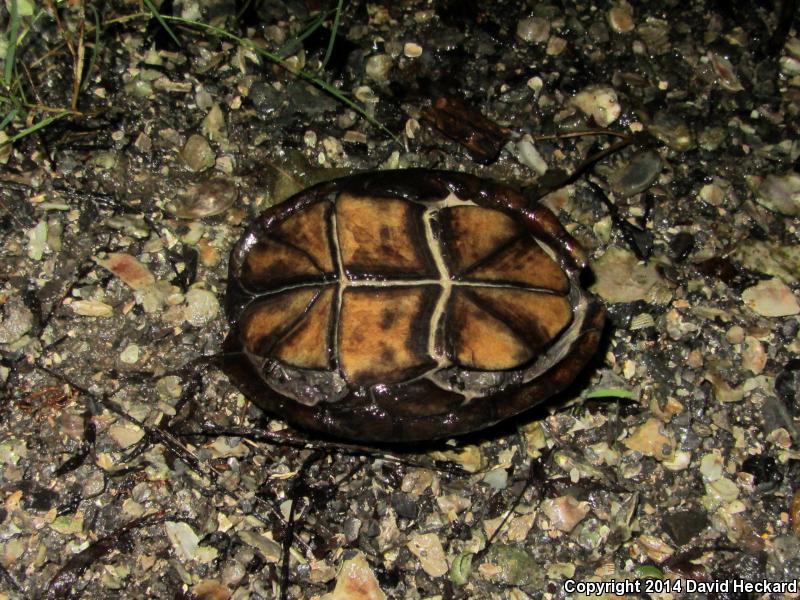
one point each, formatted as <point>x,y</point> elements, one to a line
<point>8,72</point>
<point>8,118</point>
<point>291,45</point>
<point>334,31</point>
<point>611,393</point>
<point>35,127</point>
<point>162,21</point>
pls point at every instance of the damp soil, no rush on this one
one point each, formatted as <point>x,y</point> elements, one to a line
<point>663,135</point>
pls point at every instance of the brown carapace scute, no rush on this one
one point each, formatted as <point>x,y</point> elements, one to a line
<point>409,305</point>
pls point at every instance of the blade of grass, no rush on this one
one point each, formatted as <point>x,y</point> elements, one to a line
<point>35,127</point>
<point>334,31</point>
<point>93,57</point>
<point>163,21</point>
<point>77,73</point>
<point>291,45</point>
<point>611,393</point>
<point>8,118</point>
<point>321,84</point>
<point>8,72</point>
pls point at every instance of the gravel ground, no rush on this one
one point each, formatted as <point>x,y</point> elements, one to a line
<point>130,467</point>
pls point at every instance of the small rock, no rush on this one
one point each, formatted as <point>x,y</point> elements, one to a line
<point>210,590</point>
<point>726,72</point>
<point>91,308</point>
<point>130,355</point>
<point>356,581</point>
<point>412,50</point>
<point>528,155</point>
<point>754,358</point>
<point>132,272</point>
<point>779,260</point>
<point>378,66</point>
<point>620,277</point>
<point>68,524</point>
<point>206,199</point>
<point>599,102</point>
<point>201,307</point>
<point>15,320</point>
<point>37,240</point>
<point>684,525</point>
<point>620,19</point>
<point>638,175</point>
<point>269,549</point>
<point>565,512</point>
<point>735,335</point>
<point>794,513</point>
<point>771,298</point>
<point>652,439</point>
<point>535,30</point>
<point>514,565</point>
<point>125,435</point>
<point>711,466</point>
<point>657,550</point>
<point>673,131</point>
<point>186,543</point>
<point>153,297</point>
<point>197,153</point>
<point>781,193</point>
<point>214,124</point>
<point>497,479</point>
<point>555,46</point>
<point>428,549</point>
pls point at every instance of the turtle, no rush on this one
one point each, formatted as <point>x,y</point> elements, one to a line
<point>406,306</point>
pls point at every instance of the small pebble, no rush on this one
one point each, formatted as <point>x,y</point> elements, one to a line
<point>201,307</point>
<point>781,193</point>
<point>130,355</point>
<point>356,581</point>
<point>125,435</point>
<point>412,50</point>
<point>428,549</point>
<point>754,358</point>
<point>726,72</point>
<point>198,154</point>
<point>620,19</point>
<point>206,199</point>
<point>15,320</point>
<point>91,308</point>
<point>129,269</point>
<point>378,66</point>
<point>652,439</point>
<point>599,102</point>
<point>534,30</point>
<point>564,512</point>
<point>771,298</point>
<point>638,175</point>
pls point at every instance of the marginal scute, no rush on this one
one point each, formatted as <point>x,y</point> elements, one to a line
<point>523,262</point>
<point>269,265</point>
<point>472,233</point>
<point>307,345</point>
<point>269,319</point>
<point>383,333</point>
<point>479,340</point>
<point>307,230</point>
<point>537,317</point>
<point>382,237</point>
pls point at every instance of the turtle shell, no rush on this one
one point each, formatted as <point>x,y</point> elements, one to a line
<point>406,305</point>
